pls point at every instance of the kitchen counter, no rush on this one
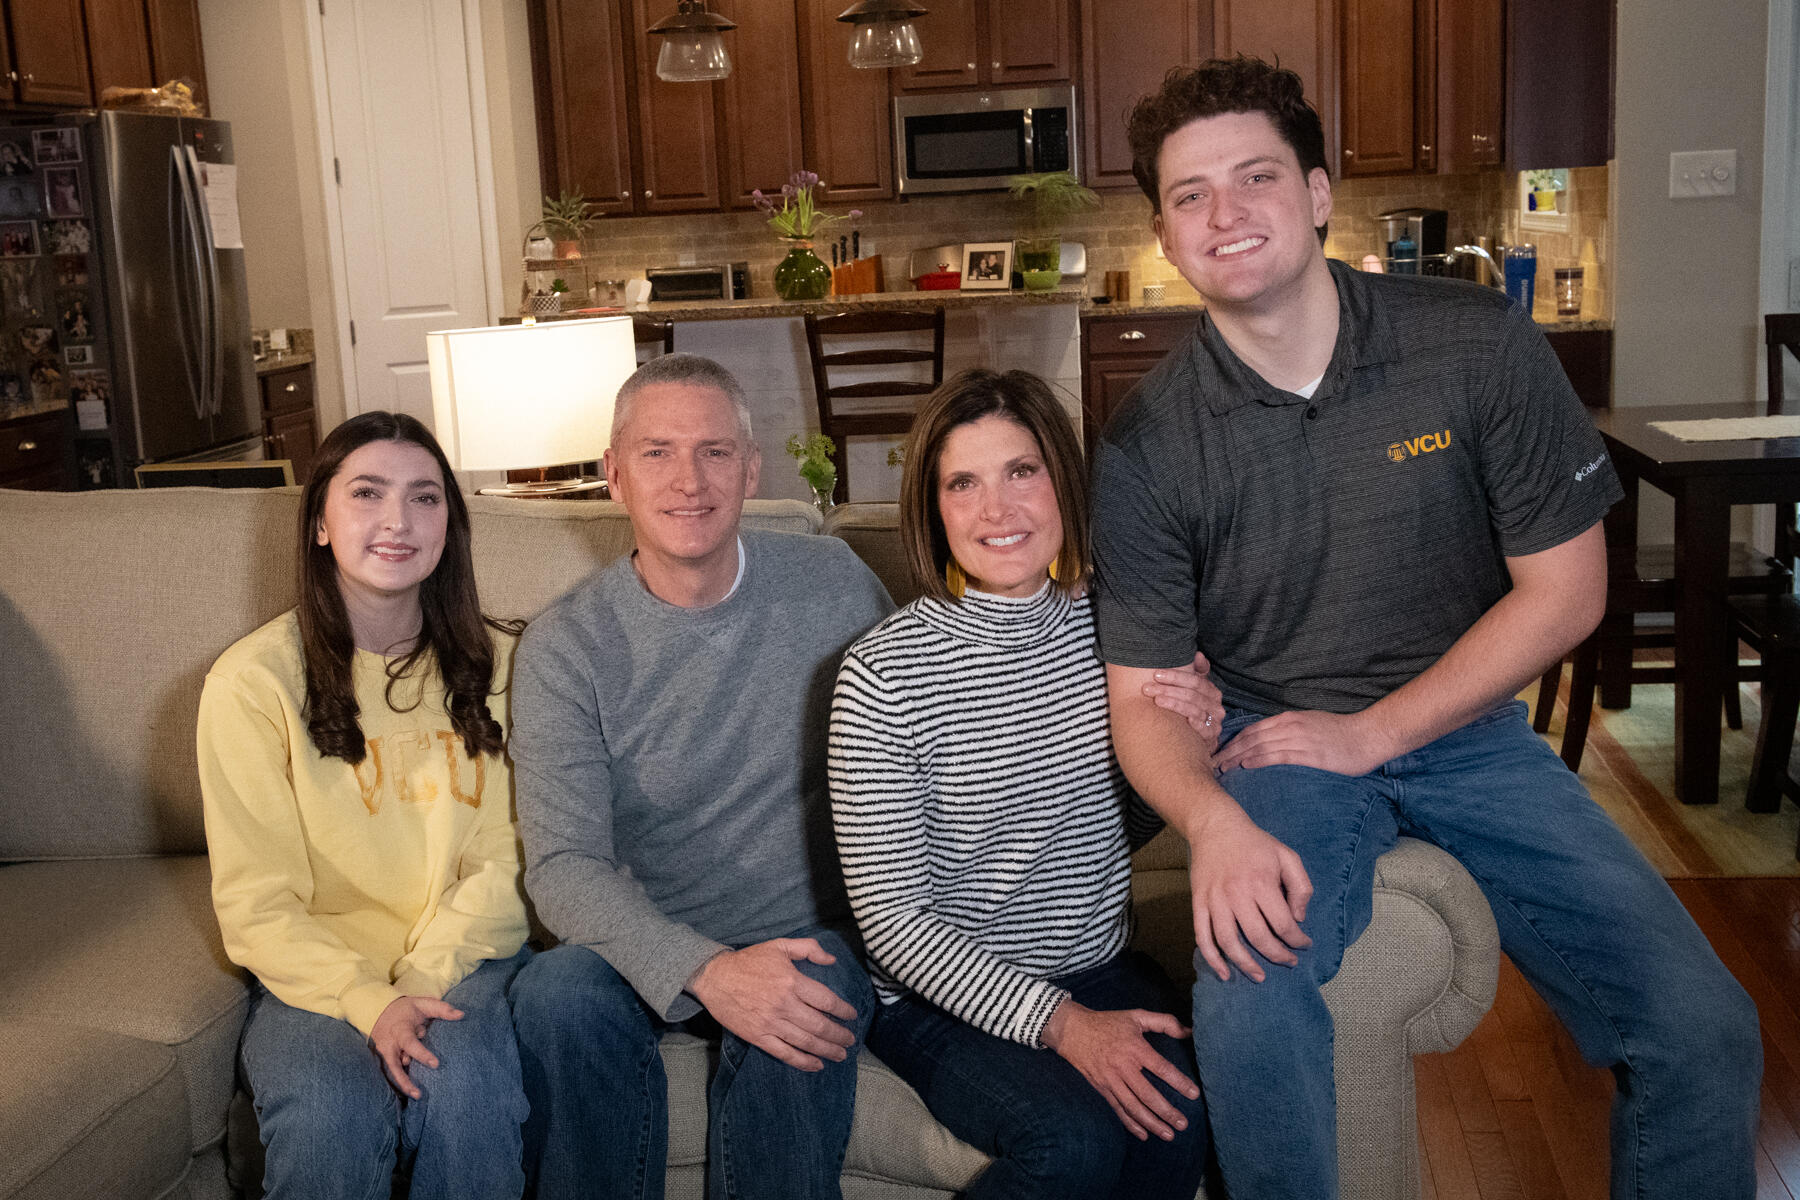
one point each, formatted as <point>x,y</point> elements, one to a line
<point>716,310</point>
<point>271,363</point>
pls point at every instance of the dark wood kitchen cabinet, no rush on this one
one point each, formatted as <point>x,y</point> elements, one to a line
<point>175,50</point>
<point>118,38</point>
<point>1301,34</point>
<point>992,43</point>
<point>35,454</point>
<point>1559,83</point>
<point>1422,85</point>
<point>1116,352</point>
<point>1115,72</point>
<point>631,143</point>
<point>849,134</point>
<point>46,56</point>
<point>290,429</point>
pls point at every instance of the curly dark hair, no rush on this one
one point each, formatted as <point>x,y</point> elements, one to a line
<point>1216,86</point>
<point>454,629</point>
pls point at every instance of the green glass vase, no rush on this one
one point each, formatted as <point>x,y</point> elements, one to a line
<point>802,275</point>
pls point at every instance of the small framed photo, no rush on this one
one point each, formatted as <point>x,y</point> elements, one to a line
<point>12,391</point>
<point>37,341</point>
<point>78,356</point>
<point>65,237</point>
<point>19,198</point>
<point>18,239</point>
<point>62,191</point>
<point>76,322</point>
<point>71,271</point>
<point>15,160</point>
<point>987,265</point>
<point>53,147</point>
<point>19,292</point>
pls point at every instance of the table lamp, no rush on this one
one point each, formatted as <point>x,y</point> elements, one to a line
<point>529,399</point>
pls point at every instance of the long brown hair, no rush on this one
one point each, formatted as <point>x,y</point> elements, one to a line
<point>1026,401</point>
<point>454,630</point>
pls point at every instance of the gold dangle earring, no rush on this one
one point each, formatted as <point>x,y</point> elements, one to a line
<point>1056,569</point>
<point>954,579</point>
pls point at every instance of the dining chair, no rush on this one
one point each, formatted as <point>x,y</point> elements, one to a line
<point>648,331</point>
<point>1781,338</point>
<point>1771,624</point>
<point>1640,580</point>
<point>862,420</point>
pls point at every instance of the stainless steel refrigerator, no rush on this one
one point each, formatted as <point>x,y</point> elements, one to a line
<point>128,282</point>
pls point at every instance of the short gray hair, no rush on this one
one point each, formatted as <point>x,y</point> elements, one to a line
<point>691,369</point>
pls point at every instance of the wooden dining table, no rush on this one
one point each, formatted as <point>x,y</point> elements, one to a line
<point>1706,479</point>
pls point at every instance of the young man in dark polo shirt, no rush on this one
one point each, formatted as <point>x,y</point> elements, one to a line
<point>1374,503</point>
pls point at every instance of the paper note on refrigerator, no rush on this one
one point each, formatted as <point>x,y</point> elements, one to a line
<point>220,182</point>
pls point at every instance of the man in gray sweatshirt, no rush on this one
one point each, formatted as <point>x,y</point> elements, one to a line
<point>668,746</point>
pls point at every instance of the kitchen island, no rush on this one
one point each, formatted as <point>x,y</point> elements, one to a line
<point>763,342</point>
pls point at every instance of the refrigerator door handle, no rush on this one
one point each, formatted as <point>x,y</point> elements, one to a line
<point>186,275</point>
<point>207,255</point>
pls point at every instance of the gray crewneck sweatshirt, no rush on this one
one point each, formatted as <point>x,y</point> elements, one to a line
<point>670,762</point>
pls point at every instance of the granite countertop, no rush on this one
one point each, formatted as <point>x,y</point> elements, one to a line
<point>33,408</point>
<point>272,362</point>
<point>714,310</point>
<point>1549,322</point>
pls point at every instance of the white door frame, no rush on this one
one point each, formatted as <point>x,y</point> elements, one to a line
<point>334,219</point>
<point>1780,257</point>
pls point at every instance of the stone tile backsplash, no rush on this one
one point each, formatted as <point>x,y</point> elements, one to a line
<point>1117,234</point>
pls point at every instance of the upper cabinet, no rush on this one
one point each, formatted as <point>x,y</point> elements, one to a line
<point>1422,84</point>
<point>1300,34</point>
<point>1559,84</point>
<point>49,59</point>
<point>849,135</point>
<point>1116,72</point>
<point>992,43</point>
<point>584,126</point>
<point>59,54</point>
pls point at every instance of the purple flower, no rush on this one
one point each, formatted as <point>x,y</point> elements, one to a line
<point>855,213</point>
<point>789,191</point>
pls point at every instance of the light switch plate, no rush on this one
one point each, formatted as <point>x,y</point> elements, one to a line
<point>1696,174</point>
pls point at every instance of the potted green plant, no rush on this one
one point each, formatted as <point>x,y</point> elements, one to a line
<point>816,468</point>
<point>801,274</point>
<point>1049,197</point>
<point>566,218</point>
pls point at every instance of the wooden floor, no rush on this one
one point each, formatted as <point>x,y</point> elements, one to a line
<point>1514,1113</point>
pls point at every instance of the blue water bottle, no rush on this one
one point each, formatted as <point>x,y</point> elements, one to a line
<point>1406,255</point>
<point>1521,274</point>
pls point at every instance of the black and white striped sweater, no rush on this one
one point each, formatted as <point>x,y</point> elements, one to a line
<point>980,814</point>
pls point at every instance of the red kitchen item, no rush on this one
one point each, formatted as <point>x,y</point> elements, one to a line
<point>939,281</point>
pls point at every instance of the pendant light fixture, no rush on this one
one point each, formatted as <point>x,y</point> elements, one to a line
<point>692,50</point>
<point>883,33</point>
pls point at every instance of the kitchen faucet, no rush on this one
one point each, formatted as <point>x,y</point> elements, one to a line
<point>1484,256</point>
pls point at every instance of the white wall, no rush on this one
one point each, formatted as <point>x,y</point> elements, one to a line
<point>1690,77</point>
<point>257,78</point>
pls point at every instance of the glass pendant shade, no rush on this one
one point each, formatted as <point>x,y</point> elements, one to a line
<point>882,33</point>
<point>693,56</point>
<point>692,50</point>
<point>885,44</point>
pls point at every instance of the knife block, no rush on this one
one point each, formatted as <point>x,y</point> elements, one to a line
<point>858,278</point>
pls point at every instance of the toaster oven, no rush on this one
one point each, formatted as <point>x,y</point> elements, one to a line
<point>720,281</point>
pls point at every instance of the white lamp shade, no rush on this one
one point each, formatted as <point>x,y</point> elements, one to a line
<point>509,397</point>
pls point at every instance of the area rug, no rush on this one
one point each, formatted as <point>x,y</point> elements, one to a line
<point>1629,767</point>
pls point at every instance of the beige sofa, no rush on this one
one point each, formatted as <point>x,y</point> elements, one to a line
<point>119,1014</point>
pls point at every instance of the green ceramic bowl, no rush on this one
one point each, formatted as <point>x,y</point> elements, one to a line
<point>1041,281</point>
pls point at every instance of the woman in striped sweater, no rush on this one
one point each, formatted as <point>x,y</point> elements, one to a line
<point>985,829</point>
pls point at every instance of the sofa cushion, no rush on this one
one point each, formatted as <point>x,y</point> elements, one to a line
<point>872,529</point>
<point>128,948</point>
<point>86,1113</point>
<point>114,604</point>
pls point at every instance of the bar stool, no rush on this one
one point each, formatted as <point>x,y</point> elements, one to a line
<point>1771,624</point>
<point>647,331</point>
<point>895,419</point>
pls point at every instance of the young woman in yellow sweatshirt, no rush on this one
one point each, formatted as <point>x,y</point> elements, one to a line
<point>365,863</point>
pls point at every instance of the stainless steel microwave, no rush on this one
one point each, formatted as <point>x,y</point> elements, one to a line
<point>972,141</point>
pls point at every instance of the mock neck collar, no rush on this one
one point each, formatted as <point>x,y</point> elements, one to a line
<point>1000,620</point>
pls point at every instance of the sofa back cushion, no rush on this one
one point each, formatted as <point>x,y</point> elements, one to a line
<point>114,604</point>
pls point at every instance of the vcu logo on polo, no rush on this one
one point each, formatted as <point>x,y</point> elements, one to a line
<point>1425,443</point>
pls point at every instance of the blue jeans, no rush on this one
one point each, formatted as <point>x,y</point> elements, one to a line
<point>334,1127</point>
<point>1048,1131</point>
<point>1581,913</point>
<point>599,1121</point>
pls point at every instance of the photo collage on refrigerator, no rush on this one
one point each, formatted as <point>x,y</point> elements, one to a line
<point>51,343</point>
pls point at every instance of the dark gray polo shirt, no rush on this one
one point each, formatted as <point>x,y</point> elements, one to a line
<point>1324,552</point>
